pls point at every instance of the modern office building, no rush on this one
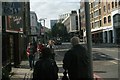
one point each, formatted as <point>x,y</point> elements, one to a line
<point>52,23</point>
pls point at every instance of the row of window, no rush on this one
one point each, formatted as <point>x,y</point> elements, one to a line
<point>96,13</point>
<point>114,4</point>
<point>105,19</point>
<point>99,23</point>
<point>96,24</point>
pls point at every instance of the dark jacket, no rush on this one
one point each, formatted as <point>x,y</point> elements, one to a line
<point>45,69</point>
<point>76,62</point>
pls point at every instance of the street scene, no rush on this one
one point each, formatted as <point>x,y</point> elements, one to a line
<point>105,62</point>
<point>53,40</point>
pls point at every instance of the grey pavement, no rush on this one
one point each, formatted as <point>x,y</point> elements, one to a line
<point>22,73</point>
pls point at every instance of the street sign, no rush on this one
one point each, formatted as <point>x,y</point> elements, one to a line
<point>11,8</point>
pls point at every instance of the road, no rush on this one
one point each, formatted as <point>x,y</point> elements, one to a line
<point>105,61</point>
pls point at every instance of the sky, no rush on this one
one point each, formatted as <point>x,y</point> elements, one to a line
<point>51,9</point>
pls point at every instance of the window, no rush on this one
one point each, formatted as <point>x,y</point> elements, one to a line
<point>91,5</point>
<point>104,20</point>
<point>112,4</point>
<point>91,15</point>
<point>108,7</point>
<point>104,8</point>
<point>119,3</point>
<point>115,3</point>
<point>99,11</point>
<point>100,23</point>
<point>96,13</point>
<point>109,19</point>
<point>92,25</point>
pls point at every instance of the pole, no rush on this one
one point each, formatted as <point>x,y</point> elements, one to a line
<point>89,39</point>
<point>44,32</point>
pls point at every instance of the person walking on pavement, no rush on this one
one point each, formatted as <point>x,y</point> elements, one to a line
<point>45,68</point>
<point>31,55</point>
<point>51,46</point>
<point>76,61</point>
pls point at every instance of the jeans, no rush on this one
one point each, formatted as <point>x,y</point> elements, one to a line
<point>31,60</point>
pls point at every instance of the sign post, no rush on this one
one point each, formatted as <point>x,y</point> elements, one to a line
<point>89,38</point>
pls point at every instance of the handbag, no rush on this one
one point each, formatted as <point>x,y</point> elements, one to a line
<point>65,77</point>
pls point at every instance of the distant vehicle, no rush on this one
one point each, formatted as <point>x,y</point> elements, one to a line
<point>58,41</point>
<point>96,77</point>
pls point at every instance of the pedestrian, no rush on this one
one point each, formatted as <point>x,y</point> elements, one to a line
<point>45,68</point>
<point>40,47</point>
<point>76,61</point>
<point>51,46</point>
<point>31,55</point>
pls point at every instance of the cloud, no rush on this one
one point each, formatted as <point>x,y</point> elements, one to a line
<point>51,9</point>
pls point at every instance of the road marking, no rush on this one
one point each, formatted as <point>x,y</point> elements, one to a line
<point>113,62</point>
<point>109,50</point>
<point>62,50</point>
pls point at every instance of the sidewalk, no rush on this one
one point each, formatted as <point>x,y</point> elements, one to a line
<point>22,73</point>
<point>100,45</point>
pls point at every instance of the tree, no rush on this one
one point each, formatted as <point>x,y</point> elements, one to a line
<point>60,30</point>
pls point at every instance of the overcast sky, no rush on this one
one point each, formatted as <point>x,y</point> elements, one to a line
<point>51,9</point>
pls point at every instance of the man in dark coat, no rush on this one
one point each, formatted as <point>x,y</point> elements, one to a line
<point>45,68</point>
<point>76,61</point>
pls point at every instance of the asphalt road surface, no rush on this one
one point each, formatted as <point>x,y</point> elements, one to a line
<point>105,61</point>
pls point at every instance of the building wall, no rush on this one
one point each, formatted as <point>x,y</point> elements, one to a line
<point>33,25</point>
<point>52,23</point>
<point>70,22</point>
<point>101,19</point>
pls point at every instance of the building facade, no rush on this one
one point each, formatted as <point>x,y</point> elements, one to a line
<point>71,23</point>
<point>33,25</point>
<point>14,35</point>
<point>104,19</point>
<point>53,22</point>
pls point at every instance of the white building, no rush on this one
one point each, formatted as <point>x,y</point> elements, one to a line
<point>71,22</point>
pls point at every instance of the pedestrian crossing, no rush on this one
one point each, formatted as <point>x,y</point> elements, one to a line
<point>60,66</point>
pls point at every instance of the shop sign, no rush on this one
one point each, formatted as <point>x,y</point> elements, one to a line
<point>11,8</point>
<point>14,23</point>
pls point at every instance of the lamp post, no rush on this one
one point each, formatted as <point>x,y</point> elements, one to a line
<point>42,29</point>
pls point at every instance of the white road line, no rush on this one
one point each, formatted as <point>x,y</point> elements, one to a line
<point>113,62</point>
<point>110,50</point>
<point>62,50</point>
<point>60,65</point>
<point>60,74</point>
